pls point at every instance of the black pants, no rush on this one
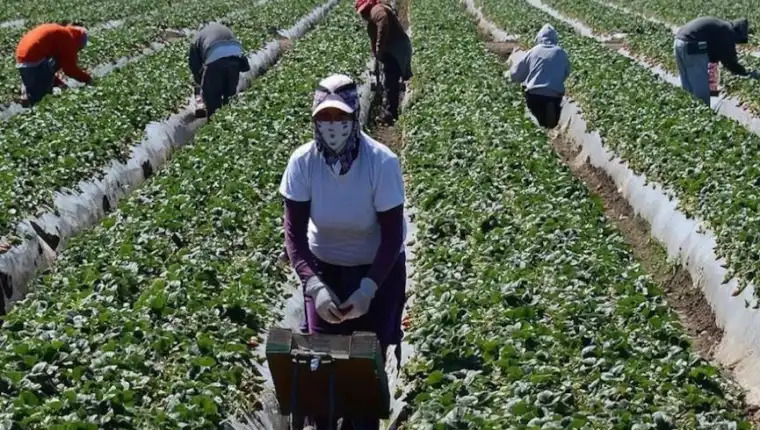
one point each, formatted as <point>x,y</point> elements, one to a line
<point>38,80</point>
<point>546,109</point>
<point>219,83</point>
<point>392,81</point>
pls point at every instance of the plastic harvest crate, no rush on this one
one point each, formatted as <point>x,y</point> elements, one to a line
<point>312,371</point>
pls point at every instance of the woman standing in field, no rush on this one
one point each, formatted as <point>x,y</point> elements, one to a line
<point>344,224</point>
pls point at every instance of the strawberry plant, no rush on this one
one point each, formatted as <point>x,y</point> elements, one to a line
<point>136,33</point>
<point>145,321</point>
<point>72,137</point>
<point>663,133</point>
<point>86,12</point>
<point>687,10</point>
<point>531,311</point>
<point>653,42</point>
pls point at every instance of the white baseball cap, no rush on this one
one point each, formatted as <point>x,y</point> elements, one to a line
<point>330,86</point>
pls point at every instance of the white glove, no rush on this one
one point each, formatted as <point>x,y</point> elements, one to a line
<point>324,300</point>
<point>358,304</point>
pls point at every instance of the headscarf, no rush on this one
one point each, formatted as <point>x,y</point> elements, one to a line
<point>360,5</point>
<point>339,88</point>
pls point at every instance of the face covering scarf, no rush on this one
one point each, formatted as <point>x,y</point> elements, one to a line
<point>338,148</point>
<point>335,133</point>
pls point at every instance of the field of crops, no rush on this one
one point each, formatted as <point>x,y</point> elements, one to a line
<point>655,41</point>
<point>664,134</point>
<point>531,310</point>
<point>548,321</point>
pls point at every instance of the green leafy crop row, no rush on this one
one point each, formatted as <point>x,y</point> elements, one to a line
<point>71,138</point>
<point>89,16</point>
<point>686,10</point>
<point>654,42</point>
<point>709,162</point>
<point>61,10</point>
<point>530,311</point>
<point>145,320</point>
<point>136,33</point>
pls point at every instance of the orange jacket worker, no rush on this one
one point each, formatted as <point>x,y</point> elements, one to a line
<point>46,49</point>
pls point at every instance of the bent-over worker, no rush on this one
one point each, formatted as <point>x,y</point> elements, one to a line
<point>543,71</point>
<point>216,60</point>
<point>43,51</point>
<point>705,40</point>
<point>391,47</point>
<point>344,224</point>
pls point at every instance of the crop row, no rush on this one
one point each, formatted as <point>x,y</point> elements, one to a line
<point>136,32</point>
<point>88,16</point>
<point>707,161</point>
<point>71,138</point>
<point>88,12</point>
<point>531,311</point>
<point>690,9</point>
<point>144,322</point>
<point>654,42</point>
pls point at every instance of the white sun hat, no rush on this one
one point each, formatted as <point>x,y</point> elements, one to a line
<point>328,94</point>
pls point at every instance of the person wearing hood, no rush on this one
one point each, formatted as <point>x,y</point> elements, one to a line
<point>705,40</point>
<point>391,47</point>
<point>216,59</point>
<point>43,51</point>
<point>543,71</point>
<point>344,225</point>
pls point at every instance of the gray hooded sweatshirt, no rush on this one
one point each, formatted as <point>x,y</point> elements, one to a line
<point>544,67</point>
<point>212,42</point>
<point>721,37</point>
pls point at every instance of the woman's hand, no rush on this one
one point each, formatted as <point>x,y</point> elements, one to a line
<point>325,301</point>
<point>358,304</point>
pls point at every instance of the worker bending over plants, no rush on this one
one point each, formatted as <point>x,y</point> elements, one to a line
<point>43,51</point>
<point>216,60</point>
<point>707,40</point>
<point>392,48</point>
<point>344,225</point>
<point>543,71</point>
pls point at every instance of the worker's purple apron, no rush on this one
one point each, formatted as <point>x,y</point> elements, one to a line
<point>385,311</point>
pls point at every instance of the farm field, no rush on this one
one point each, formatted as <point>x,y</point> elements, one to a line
<point>654,42</point>
<point>531,308</point>
<point>201,236</point>
<point>134,31</point>
<point>662,133</point>
<point>71,141</point>
<point>690,9</point>
<point>532,312</point>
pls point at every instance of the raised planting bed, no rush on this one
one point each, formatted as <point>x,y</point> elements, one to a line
<point>63,10</point>
<point>654,43</point>
<point>106,45</point>
<point>145,321</point>
<point>531,311</point>
<point>706,161</point>
<point>687,10</point>
<point>74,137</point>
